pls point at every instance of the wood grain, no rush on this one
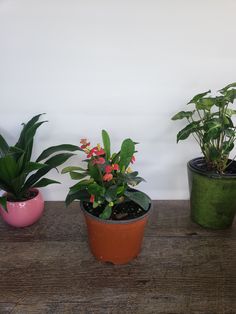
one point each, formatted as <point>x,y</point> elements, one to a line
<point>183,268</point>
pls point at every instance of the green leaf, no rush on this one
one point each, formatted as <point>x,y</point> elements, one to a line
<point>183,114</point>
<point>197,97</point>
<point>94,172</point>
<point>72,168</point>
<point>227,146</point>
<point>136,181</point>
<point>230,112</point>
<point>214,153</point>
<point>17,183</point>
<point>132,178</point>
<point>51,163</point>
<point>115,158</point>
<point>132,174</point>
<point>213,129</point>
<point>44,182</point>
<point>185,132</point>
<point>15,150</point>
<point>106,214</point>
<point>223,90</point>
<point>230,132</point>
<point>83,184</point>
<point>27,126</point>
<point>96,189</point>
<point>120,190</point>
<point>58,148</point>
<point>106,144</point>
<point>126,153</point>
<point>205,103</point>
<point>30,133</point>
<point>3,146</point>
<point>139,198</point>
<point>4,186</point>
<point>3,202</point>
<point>81,195</point>
<point>228,122</point>
<point>230,95</point>
<point>33,166</point>
<point>77,175</point>
<point>220,101</point>
<point>8,168</point>
<point>111,193</point>
<point>26,138</point>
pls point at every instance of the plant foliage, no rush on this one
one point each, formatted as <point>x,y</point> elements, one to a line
<point>211,124</point>
<point>107,180</point>
<point>18,174</point>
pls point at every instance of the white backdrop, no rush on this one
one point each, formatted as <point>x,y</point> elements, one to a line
<point>126,66</point>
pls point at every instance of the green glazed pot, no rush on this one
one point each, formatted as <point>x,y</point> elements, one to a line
<point>212,196</point>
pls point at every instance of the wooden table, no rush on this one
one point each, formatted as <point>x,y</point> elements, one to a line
<point>183,268</point>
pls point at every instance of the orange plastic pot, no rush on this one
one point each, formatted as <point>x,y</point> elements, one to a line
<point>113,241</point>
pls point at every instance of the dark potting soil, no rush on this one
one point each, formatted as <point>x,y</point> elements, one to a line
<point>200,164</point>
<point>28,196</point>
<point>124,211</point>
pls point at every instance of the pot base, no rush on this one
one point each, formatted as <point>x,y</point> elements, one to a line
<point>25,213</point>
<point>212,198</point>
<point>116,242</point>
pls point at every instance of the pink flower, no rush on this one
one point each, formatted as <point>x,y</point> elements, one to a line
<point>92,151</point>
<point>96,151</point>
<point>84,143</point>
<point>108,169</point>
<point>92,198</point>
<point>133,159</point>
<point>98,161</point>
<point>107,177</point>
<point>99,152</point>
<point>115,167</point>
<point>84,146</point>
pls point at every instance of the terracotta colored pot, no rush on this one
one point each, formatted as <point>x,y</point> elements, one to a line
<point>212,196</point>
<point>23,214</point>
<point>113,241</point>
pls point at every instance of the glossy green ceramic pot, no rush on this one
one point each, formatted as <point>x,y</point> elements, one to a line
<point>212,196</point>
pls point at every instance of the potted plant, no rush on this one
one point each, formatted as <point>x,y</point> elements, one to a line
<point>212,178</point>
<point>22,204</point>
<point>114,211</point>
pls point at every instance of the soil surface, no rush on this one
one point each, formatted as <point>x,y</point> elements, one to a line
<point>200,164</point>
<point>124,211</point>
<point>27,197</point>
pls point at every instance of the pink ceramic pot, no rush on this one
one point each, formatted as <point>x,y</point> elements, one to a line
<point>23,214</point>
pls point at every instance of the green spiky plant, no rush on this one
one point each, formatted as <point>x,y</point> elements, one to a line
<point>18,174</point>
<point>212,126</point>
<point>107,181</point>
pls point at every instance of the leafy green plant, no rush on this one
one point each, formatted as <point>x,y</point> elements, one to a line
<point>18,174</point>
<point>212,127</point>
<point>107,181</point>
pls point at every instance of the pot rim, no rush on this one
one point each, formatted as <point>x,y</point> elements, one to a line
<point>208,174</point>
<point>116,222</point>
<point>31,189</point>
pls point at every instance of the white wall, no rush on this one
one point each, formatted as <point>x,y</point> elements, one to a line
<point>126,66</point>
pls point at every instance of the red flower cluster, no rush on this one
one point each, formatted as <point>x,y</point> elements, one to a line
<point>108,176</point>
<point>97,154</point>
<point>98,161</point>
<point>133,159</point>
<point>97,151</point>
<point>84,143</point>
<point>94,152</point>
<point>92,198</point>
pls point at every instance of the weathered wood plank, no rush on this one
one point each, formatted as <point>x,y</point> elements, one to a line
<point>182,268</point>
<point>168,218</point>
<point>175,270</point>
